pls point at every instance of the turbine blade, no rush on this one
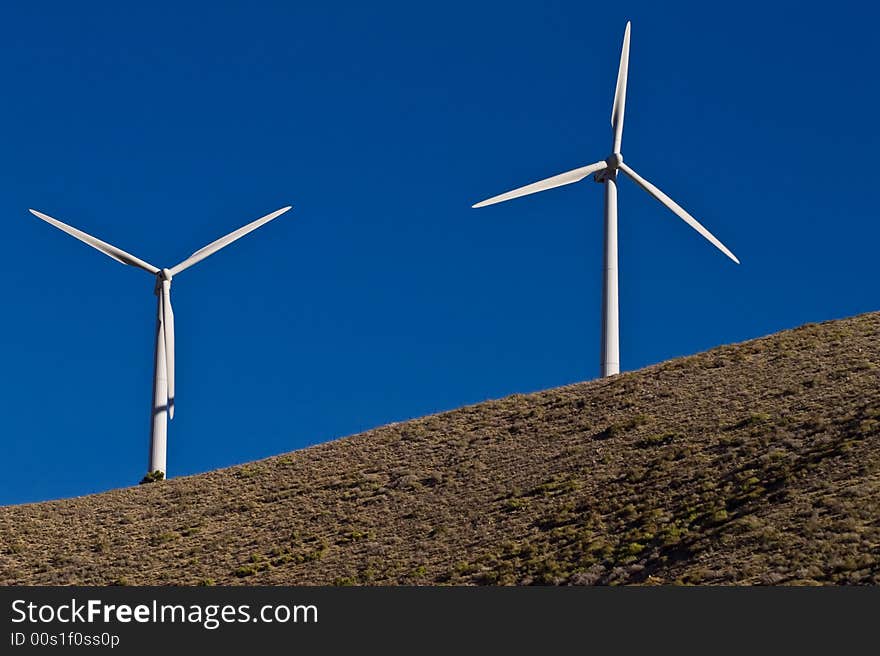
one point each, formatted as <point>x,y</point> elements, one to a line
<point>215,246</point>
<point>168,334</point>
<point>107,249</point>
<point>619,106</point>
<point>677,209</point>
<point>568,177</point>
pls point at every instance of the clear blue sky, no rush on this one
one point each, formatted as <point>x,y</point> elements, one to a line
<point>383,296</point>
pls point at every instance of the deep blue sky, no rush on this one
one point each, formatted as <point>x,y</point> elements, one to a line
<point>383,296</point>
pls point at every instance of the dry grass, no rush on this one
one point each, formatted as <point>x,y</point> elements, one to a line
<point>756,463</point>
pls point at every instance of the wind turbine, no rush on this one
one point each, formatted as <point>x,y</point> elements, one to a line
<point>163,373</point>
<point>606,172</point>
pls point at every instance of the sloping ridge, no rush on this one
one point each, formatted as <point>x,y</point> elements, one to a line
<point>754,463</point>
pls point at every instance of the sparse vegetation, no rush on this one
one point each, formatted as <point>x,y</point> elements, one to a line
<point>756,463</point>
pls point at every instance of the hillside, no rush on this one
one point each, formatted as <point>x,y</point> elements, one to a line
<point>755,463</point>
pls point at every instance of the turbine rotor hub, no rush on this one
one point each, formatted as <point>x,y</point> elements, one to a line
<point>163,278</point>
<point>614,160</point>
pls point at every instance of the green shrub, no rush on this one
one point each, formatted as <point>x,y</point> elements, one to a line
<point>514,504</point>
<point>153,477</point>
<point>658,440</point>
<point>634,548</point>
<point>868,426</point>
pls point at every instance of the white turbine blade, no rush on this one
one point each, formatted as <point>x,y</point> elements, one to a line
<point>556,181</point>
<point>168,334</point>
<point>677,209</point>
<point>107,249</point>
<point>619,106</point>
<point>215,246</point>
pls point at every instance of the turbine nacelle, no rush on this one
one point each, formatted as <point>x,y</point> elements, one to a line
<point>163,280</point>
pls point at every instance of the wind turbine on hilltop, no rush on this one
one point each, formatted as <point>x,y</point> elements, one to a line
<point>606,172</point>
<point>163,374</point>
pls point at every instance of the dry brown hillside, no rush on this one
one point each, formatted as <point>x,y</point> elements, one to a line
<point>752,463</point>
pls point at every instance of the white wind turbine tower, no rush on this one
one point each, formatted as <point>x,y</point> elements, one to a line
<point>606,172</point>
<point>163,374</point>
